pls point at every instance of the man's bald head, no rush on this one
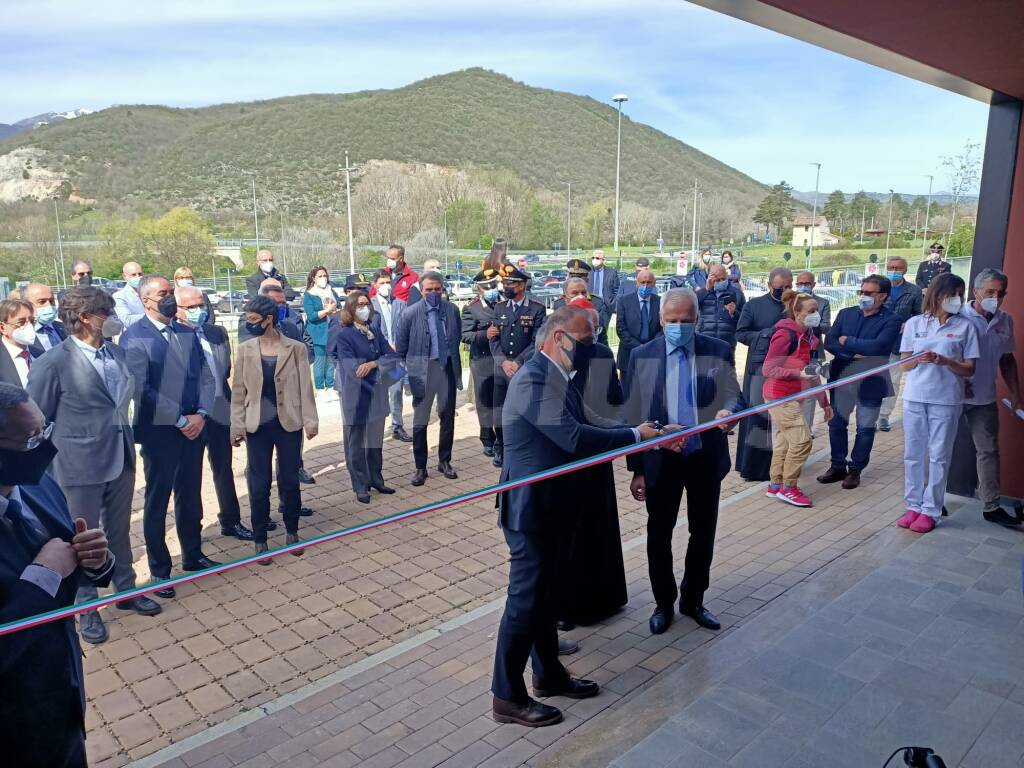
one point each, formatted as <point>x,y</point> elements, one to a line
<point>131,269</point>
<point>645,277</point>
<point>38,295</point>
<point>717,271</point>
<point>805,278</point>
<point>187,294</point>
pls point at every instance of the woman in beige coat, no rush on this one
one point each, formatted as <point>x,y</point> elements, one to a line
<point>271,403</point>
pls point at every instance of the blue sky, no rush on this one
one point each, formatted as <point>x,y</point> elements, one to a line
<point>709,80</point>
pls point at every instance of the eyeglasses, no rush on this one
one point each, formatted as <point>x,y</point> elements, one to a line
<point>867,293</point>
<point>34,441</point>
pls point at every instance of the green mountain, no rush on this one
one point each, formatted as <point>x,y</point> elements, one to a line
<point>472,118</point>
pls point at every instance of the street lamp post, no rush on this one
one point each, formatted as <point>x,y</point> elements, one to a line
<point>348,207</point>
<point>927,210</point>
<point>618,99</point>
<point>568,219</point>
<point>255,212</point>
<point>60,245</point>
<point>814,214</point>
<point>446,241</point>
<point>693,233</point>
<point>888,228</point>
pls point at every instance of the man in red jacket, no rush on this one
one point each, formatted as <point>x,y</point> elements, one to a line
<point>402,277</point>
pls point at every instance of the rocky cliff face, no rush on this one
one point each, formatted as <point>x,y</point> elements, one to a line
<point>23,175</point>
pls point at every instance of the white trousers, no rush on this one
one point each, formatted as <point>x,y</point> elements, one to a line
<point>928,434</point>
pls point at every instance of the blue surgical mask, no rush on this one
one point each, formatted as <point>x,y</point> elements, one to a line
<point>282,313</point>
<point>196,315</point>
<point>679,334</point>
<point>645,291</point>
<point>433,299</point>
<point>492,295</point>
<point>255,329</point>
<point>895,277</point>
<point>134,282</point>
<point>45,315</point>
<point>721,286</point>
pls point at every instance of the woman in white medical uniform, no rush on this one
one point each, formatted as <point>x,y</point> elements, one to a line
<point>933,396</point>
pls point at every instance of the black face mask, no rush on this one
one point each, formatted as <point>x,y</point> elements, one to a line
<point>26,467</point>
<point>168,307</point>
<point>255,329</point>
<point>85,280</point>
<point>509,293</point>
<point>580,355</point>
<point>777,293</point>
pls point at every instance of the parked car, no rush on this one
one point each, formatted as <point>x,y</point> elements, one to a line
<point>561,274</point>
<point>460,289</point>
<point>231,302</point>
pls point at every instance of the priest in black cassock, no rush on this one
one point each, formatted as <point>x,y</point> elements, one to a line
<point>754,447</point>
<point>593,584</point>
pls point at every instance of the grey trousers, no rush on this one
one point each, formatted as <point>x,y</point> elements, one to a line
<point>107,506</point>
<point>364,454</point>
<point>983,421</point>
<point>395,400</point>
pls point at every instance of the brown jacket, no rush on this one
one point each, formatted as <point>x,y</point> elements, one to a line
<point>296,408</point>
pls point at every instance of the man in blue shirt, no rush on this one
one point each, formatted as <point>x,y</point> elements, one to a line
<point>861,338</point>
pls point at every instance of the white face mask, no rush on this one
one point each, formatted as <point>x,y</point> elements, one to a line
<point>267,267</point>
<point>990,305</point>
<point>184,282</point>
<point>363,314</point>
<point>392,263</point>
<point>321,282</point>
<point>384,289</point>
<point>25,336</point>
<point>812,320</point>
<point>952,305</point>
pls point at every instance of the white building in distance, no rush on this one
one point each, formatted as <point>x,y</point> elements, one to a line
<point>819,235</point>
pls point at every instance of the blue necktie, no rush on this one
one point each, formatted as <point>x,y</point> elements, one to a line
<point>645,321</point>
<point>26,534</point>
<point>109,372</point>
<point>442,341</point>
<point>599,283</point>
<point>51,334</point>
<point>686,410</point>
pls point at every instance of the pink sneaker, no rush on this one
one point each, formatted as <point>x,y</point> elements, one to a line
<point>923,524</point>
<point>773,490</point>
<point>794,496</point>
<point>908,518</point>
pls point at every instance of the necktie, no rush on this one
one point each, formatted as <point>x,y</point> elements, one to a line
<point>25,534</point>
<point>166,333</point>
<point>27,357</point>
<point>442,341</point>
<point>645,321</point>
<point>109,375</point>
<point>51,333</point>
<point>686,410</point>
<point>599,282</point>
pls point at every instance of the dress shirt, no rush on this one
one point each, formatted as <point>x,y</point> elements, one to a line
<point>645,318</point>
<point>103,364</point>
<point>995,336</point>
<point>45,578</point>
<point>436,328</point>
<point>599,282</point>
<point>21,364</point>
<point>211,359</point>
<point>385,320</point>
<point>47,336</point>
<point>677,410</point>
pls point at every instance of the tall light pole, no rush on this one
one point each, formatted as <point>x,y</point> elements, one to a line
<point>618,99</point>
<point>255,212</point>
<point>693,233</point>
<point>348,207</point>
<point>888,229</point>
<point>60,245</point>
<point>814,214</point>
<point>927,210</point>
<point>446,240</point>
<point>568,219</point>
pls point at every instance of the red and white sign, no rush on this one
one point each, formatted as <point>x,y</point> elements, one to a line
<point>682,264</point>
<point>872,268</point>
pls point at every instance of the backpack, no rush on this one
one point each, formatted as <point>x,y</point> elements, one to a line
<point>759,349</point>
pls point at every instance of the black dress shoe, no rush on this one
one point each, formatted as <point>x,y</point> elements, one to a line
<point>304,512</point>
<point>363,498</point>
<point>573,688</point>
<point>702,616</point>
<point>200,564</point>
<point>565,626</point>
<point>834,475</point>
<point>488,451</point>
<point>305,477</point>
<point>92,629</point>
<point>532,714</point>
<point>660,620</point>
<point>499,457</point>
<point>420,477</point>
<point>1001,517</point>
<point>401,434</point>
<point>141,605</point>
<point>166,593</point>
<point>271,525</point>
<point>237,530</point>
<point>446,469</point>
<point>383,489</point>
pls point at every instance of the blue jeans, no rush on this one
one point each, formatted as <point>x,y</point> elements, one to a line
<point>323,369</point>
<point>844,400</point>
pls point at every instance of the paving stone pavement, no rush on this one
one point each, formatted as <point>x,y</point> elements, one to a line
<point>376,650</point>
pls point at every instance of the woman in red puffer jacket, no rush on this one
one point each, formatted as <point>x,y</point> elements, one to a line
<point>785,374</point>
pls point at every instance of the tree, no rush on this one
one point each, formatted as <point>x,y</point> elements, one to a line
<point>777,206</point>
<point>122,241</point>
<point>863,209</point>
<point>962,241</point>
<point>595,223</point>
<point>963,170</point>
<point>543,227</point>
<point>835,211</point>
<point>467,222</point>
<point>180,238</point>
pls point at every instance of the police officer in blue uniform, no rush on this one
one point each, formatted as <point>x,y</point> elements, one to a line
<point>518,319</point>
<point>579,268</point>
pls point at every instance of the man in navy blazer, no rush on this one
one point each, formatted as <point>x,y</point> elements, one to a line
<point>44,558</point>
<point>687,379</point>
<point>544,427</point>
<point>636,317</point>
<point>174,393</point>
<point>428,341</point>
<point>49,330</point>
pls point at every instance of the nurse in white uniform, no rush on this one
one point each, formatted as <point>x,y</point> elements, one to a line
<point>933,396</point>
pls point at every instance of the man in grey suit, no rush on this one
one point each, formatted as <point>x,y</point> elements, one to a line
<point>83,387</point>
<point>387,314</point>
<point>428,341</point>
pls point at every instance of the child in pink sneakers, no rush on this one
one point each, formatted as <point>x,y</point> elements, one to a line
<point>785,374</point>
